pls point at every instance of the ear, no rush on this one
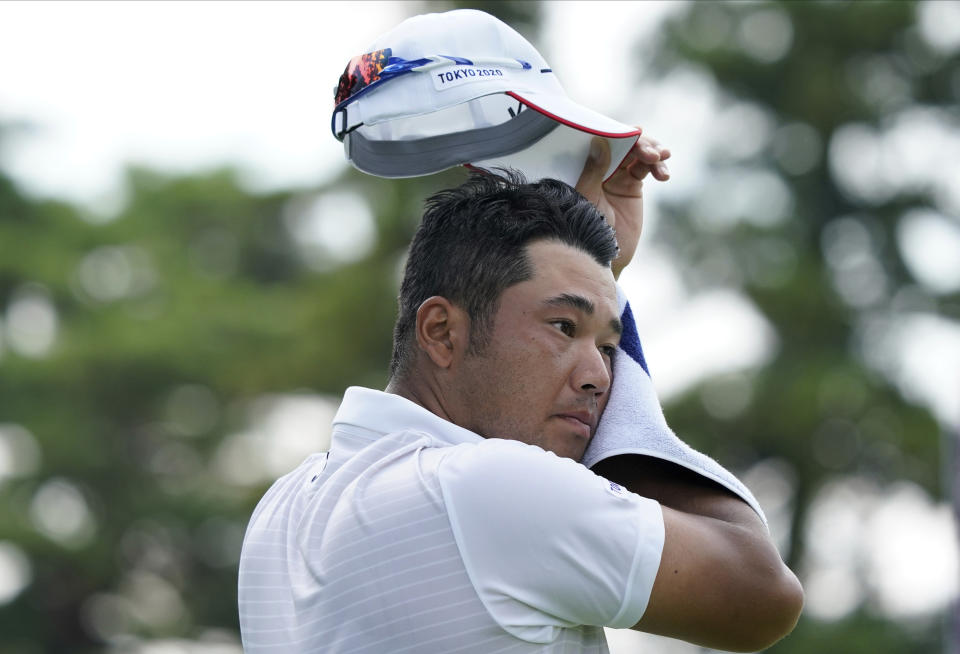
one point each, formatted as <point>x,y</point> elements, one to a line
<point>443,330</point>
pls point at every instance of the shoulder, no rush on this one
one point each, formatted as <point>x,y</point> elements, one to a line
<point>509,459</point>
<point>510,477</point>
<point>543,534</point>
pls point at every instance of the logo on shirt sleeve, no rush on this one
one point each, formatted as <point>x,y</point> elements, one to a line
<point>618,490</point>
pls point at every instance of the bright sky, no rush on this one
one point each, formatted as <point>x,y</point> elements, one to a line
<point>180,86</point>
<point>185,86</point>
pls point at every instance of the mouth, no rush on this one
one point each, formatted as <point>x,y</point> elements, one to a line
<point>581,422</point>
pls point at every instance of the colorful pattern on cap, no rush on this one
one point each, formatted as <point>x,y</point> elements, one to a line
<point>361,71</point>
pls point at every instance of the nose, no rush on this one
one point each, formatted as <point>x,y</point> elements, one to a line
<point>592,374</point>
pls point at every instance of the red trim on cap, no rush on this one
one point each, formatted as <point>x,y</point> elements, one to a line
<point>582,128</point>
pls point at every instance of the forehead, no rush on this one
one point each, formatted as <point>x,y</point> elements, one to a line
<point>560,269</point>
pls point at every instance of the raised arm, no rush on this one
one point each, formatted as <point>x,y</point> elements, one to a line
<point>620,198</point>
<point>721,582</point>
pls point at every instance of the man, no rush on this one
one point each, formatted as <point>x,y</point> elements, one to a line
<point>450,513</point>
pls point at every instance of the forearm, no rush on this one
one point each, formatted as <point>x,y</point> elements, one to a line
<point>721,581</point>
<point>678,488</point>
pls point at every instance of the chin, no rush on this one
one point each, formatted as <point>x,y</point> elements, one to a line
<point>565,445</point>
<point>571,450</point>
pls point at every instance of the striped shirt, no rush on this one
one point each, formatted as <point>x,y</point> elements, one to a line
<point>414,535</point>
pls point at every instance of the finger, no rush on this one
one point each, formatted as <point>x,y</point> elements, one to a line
<point>590,183</point>
<point>650,153</point>
<point>660,172</point>
<point>628,182</point>
<point>646,157</point>
<point>651,148</point>
<point>646,149</point>
<point>641,170</point>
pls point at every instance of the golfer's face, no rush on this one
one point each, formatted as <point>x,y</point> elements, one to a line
<point>545,374</point>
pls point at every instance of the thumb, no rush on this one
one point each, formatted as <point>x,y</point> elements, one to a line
<point>590,183</point>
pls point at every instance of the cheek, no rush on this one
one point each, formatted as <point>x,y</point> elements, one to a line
<point>527,372</point>
<point>602,403</point>
<point>526,379</point>
<point>542,367</point>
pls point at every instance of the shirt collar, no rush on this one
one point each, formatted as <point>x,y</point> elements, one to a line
<point>385,413</point>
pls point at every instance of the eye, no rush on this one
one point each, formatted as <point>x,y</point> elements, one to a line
<point>608,350</point>
<point>568,327</point>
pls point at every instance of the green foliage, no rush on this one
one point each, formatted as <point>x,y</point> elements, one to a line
<point>197,282</point>
<point>862,633</point>
<point>816,404</point>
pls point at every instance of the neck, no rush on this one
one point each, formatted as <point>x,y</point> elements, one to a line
<point>419,392</point>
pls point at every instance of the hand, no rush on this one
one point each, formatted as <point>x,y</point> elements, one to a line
<point>620,198</point>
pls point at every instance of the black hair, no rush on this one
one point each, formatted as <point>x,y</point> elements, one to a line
<point>471,246</point>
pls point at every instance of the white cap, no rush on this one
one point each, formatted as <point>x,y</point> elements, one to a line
<point>462,87</point>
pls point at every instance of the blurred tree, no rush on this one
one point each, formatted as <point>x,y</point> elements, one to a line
<point>198,294</point>
<point>808,71</point>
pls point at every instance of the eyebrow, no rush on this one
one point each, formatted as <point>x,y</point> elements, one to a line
<point>582,304</point>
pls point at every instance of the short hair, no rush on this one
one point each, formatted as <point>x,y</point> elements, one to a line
<point>471,246</point>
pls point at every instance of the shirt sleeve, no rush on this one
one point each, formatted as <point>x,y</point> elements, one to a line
<point>547,543</point>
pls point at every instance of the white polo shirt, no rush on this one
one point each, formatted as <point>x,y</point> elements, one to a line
<point>415,535</point>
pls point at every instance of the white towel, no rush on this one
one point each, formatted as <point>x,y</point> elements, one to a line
<point>633,421</point>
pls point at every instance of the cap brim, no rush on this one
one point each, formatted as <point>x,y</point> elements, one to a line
<point>564,110</point>
<point>563,152</point>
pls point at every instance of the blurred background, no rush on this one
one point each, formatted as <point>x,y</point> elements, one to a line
<point>190,276</point>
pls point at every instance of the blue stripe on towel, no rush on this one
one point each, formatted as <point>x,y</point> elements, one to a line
<point>630,340</point>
